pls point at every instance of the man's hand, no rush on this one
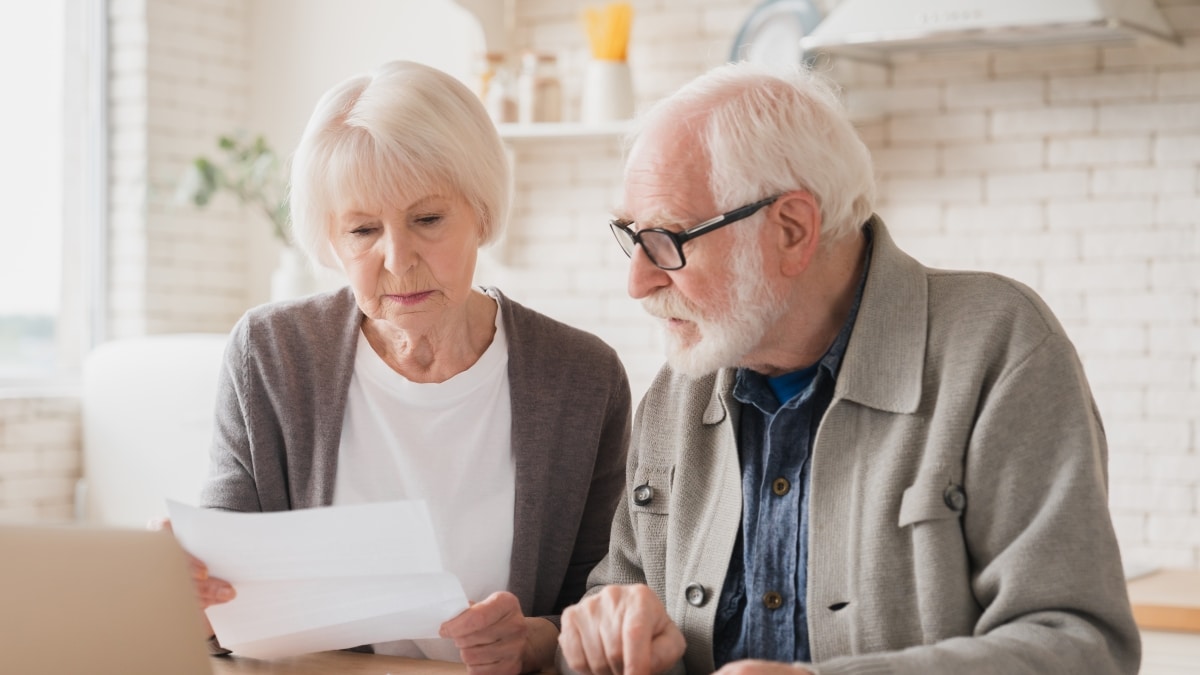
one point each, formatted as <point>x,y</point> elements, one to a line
<point>495,638</point>
<point>755,667</point>
<point>621,629</point>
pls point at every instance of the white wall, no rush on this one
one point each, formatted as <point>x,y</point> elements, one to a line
<point>300,48</point>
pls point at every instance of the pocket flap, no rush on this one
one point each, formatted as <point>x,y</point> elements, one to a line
<point>932,498</point>
<point>651,491</point>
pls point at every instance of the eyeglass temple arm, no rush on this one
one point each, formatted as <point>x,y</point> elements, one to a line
<point>723,219</point>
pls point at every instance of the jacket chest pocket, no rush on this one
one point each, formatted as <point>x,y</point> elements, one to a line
<point>651,492</point>
<point>650,508</point>
<point>932,498</point>
<point>931,529</point>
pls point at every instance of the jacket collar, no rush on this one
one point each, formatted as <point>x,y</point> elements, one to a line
<point>884,362</point>
<point>885,359</point>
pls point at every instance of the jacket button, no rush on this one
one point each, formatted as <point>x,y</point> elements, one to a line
<point>772,600</point>
<point>643,494</point>
<point>780,486</point>
<point>695,594</point>
<point>955,498</point>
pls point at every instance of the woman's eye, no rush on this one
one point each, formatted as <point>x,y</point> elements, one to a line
<point>362,230</point>
<point>431,219</point>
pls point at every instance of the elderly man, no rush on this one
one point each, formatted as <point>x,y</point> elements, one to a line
<point>851,463</point>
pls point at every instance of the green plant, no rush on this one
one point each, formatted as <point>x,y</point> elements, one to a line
<point>251,171</point>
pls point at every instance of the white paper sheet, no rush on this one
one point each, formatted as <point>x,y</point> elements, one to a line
<point>325,578</point>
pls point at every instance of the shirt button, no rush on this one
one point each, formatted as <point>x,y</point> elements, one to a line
<point>695,594</point>
<point>772,600</point>
<point>955,498</point>
<point>643,494</point>
<point>780,486</point>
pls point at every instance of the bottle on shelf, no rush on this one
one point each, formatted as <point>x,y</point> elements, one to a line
<point>484,70</point>
<point>498,90</point>
<point>539,90</point>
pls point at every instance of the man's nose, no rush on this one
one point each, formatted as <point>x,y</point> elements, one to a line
<point>644,276</point>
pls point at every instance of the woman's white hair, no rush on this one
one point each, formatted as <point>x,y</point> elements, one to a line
<point>400,131</point>
<point>767,130</point>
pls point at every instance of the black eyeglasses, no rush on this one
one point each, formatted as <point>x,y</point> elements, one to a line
<point>664,248</point>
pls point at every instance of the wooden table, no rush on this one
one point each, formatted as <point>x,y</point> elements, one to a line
<point>334,663</point>
<point>1163,600</point>
<point>1167,600</point>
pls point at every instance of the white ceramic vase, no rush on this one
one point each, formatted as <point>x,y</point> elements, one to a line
<point>607,92</point>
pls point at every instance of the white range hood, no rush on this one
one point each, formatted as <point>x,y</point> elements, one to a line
<point>875,29</point>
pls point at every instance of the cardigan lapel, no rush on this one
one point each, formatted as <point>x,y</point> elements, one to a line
<point>327,436</point>
<point>533,441</point>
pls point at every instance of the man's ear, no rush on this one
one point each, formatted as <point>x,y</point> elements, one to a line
<point>798,220</point>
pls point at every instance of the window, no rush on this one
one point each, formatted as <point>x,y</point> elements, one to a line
<point>50,210</point>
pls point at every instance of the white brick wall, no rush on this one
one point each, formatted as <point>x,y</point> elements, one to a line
<point>39,458</point>
<point>179,76</point>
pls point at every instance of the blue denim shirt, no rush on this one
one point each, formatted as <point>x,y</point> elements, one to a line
<point>761,613</point>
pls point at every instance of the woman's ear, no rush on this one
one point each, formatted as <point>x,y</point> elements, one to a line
<point>798,219</point>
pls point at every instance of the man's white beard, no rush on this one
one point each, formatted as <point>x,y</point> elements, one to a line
<point>752,308</point>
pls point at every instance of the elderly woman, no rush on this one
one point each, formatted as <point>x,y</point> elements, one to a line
<point>412,383</point>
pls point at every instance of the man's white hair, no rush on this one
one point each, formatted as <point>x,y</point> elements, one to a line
<point>767,130</point>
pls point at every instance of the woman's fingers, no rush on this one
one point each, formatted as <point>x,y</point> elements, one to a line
<point>214,591</point>
<point>209,590</point>
<point>490,635</point>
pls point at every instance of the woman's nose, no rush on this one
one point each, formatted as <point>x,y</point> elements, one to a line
<point>399,254</point>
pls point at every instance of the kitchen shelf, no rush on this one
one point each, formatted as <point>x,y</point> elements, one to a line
<point>516,132</point>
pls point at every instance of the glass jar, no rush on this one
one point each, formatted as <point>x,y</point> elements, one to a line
<point>539,90</point>
<point>499,98</point>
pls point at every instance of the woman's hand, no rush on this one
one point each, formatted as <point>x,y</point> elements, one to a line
<point>495,638</point>
<point>209,590</point>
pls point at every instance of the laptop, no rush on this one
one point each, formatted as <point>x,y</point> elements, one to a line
<point>79,601</point>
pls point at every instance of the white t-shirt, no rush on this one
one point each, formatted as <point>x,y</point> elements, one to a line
<point>448,443</point>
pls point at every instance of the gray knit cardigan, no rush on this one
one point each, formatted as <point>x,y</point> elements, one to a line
<point>280,404</point>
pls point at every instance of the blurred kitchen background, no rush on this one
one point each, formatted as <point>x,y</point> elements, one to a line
<point>1074,168</point>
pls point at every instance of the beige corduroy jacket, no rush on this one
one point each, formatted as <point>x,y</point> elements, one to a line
<point>958,505</point>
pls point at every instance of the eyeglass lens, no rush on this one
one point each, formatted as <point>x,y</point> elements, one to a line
<point>624,238</point>
<point>662,249</point>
